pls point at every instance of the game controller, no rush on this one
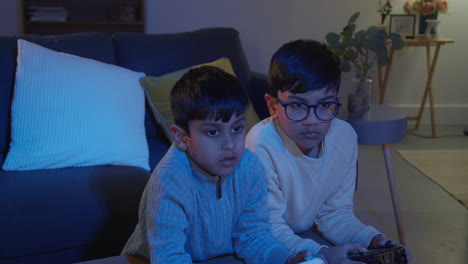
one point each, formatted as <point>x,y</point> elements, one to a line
<point>388,254</point>
<point>313,260</point>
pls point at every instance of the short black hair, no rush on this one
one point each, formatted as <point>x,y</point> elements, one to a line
<point>303,65</point>
<point>207,92</point>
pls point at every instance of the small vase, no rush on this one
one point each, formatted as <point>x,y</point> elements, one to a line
<point>363,85</point>
<point>356,104</point>
<point>432,29</point>
<point>423,23</point>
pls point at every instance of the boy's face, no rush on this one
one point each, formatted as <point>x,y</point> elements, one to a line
<point>308,133</point>
<point>215,146</point>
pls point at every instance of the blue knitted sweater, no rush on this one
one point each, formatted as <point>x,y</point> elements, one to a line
<point>181,219</point>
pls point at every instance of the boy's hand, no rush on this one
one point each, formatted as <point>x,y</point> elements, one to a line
<point>339,254</point>
<point>380,240</point>
<point>299,257</point>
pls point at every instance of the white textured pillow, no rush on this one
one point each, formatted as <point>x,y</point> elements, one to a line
<point>69,111</point>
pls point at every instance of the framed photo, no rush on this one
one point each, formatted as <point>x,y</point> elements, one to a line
<point>403,24</point>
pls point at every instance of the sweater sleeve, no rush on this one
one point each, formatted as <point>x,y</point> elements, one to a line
<point>253,240</point>
<point>165,219</point>
<point>336,219</point>
<point>277,205</point>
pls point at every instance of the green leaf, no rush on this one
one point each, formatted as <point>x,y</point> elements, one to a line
<point>360,35</point>
<point>353,18</point>
<point>362,39</point>
<point>397,41</point>
<point>381,38</point>
<point>348,30</point>
<point>372,31</point>
<point>377,43</point>
<point>333,39</point>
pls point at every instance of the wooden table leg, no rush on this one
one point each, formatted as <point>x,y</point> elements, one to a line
<point>394,193</point>
<point>421,109</point>
<point>431,63</point>
<point>431,95</point>
<point>426,89</point>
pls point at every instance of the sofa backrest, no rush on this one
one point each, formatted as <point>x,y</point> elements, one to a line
<point>97,46</point>
<point>157,54</point>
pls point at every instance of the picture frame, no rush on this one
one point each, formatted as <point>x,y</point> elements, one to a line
<point>403,24</point>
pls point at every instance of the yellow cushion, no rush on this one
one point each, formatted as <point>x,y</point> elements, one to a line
<point>159,88</point>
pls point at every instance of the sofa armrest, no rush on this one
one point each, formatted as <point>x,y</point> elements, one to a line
<point>258,89</point>
<point>68,215</point>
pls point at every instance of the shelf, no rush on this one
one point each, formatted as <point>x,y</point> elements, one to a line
<point>86,16</point>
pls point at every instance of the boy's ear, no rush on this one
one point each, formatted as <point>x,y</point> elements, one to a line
<point>272,104</point>
<point>180,137</point>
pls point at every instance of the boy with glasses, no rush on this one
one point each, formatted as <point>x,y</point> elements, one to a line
<point>310,156</point>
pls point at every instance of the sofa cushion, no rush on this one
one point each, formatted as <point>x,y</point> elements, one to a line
<point>159,88</point>
<point>97,46</point>
<point>71,111</point>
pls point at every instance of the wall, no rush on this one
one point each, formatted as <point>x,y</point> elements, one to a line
<point>265,25</point>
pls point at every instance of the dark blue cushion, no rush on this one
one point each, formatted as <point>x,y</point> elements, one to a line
<point>97,46</point>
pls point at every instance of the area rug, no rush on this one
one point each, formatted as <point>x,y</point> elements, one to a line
<point>447,168</point>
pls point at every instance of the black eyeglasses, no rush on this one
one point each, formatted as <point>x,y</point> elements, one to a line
<point>297,111</point>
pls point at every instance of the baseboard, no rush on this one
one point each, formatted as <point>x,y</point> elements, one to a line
<point>453,114</point>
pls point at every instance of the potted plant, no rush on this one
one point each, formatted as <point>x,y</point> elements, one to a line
<point>362,49</point>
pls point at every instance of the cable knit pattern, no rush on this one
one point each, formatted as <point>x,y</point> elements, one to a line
<point>181,220</point>
<point>304,190</point>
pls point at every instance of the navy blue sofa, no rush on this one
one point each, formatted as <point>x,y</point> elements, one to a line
<point>76,214</point>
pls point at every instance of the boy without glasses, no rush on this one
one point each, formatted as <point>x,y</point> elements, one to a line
<point>309,156</point>
<point>207,196</point>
